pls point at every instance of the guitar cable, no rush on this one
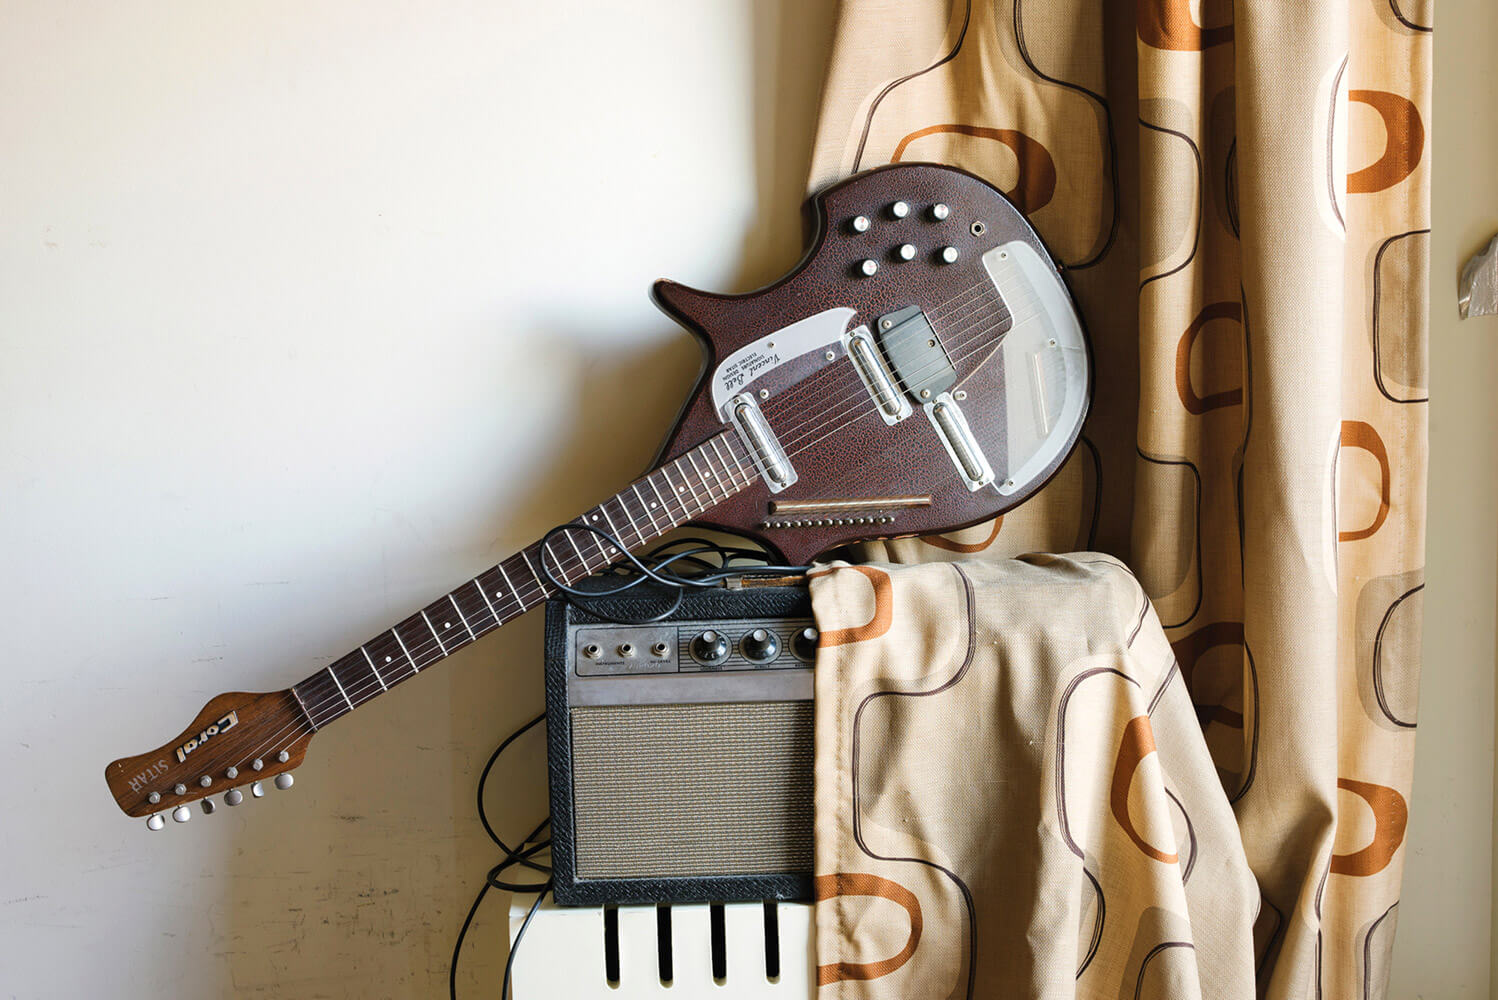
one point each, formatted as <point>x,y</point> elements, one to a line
<point>690,562</point>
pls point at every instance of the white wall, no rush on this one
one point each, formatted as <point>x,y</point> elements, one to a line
<point>308,311</point>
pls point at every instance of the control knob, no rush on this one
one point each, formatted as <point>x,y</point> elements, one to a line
<point>804,645</point>
<point>760,646</point>
<point>709,648</point>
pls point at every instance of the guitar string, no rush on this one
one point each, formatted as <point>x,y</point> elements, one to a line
<point>964,301</point>
<point>427,646</point>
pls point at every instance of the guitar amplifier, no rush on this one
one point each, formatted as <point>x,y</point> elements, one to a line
<point>680,752</point>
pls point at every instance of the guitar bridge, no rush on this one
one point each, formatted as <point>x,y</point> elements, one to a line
<point>824,513</point>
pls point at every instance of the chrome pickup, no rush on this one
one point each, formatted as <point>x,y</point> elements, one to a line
<point>771,460</point>
<point>951,426</point>
<point>893,407</point>
<point>916,354</point>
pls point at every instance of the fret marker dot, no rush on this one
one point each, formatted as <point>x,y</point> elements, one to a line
<point>653,505</point>
<point>595,517</point>
<point>389,659</point>
<point>499,593</point>
<point>613,551</point>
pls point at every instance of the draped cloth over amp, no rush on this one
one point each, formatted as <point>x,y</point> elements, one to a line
<point>1239,192</point>
<point>1073,840</point>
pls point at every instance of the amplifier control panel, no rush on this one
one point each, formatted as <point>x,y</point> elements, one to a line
<point>677,647</point>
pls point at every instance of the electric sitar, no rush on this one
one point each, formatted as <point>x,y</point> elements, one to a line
<point>921,369</point>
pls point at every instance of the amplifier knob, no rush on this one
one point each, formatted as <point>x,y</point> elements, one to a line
<point>804,645</point>
<point>761,646</point>
<point>710,648</point>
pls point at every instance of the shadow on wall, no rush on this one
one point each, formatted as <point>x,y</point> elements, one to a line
<point>378,845</point>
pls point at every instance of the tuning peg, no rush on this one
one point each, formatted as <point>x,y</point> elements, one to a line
<point>182,814</point>
<point>257,790</point>
<point>155,822</point>
<point>233,797</point>
<point>208,807</point>
<point>284,781</point>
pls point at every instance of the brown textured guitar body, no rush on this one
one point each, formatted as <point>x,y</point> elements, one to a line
<point>921,369</point>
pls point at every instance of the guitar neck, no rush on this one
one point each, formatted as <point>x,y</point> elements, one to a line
<point>666,498</point>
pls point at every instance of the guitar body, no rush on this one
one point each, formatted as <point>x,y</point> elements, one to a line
<point>851,457</point>
<point>923,368</point>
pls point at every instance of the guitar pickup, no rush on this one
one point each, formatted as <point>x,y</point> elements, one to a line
<point>916,355</point>
<point>862,351</point>
<point>764,448</point>
<point>962,447</point>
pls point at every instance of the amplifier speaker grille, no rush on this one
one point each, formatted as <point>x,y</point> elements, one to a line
<point>692,790</point>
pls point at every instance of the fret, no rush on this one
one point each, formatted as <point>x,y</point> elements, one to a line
<point>462,618</point>
<point>297,694</point>
<point>657,491</point>
<point>639,535</point>
<point>434,631</point>
<point>692,458</point>
<point>341,691</point>
<point>635,487</point>
<point>612,527</point>
<point>375,669</point>
<point>719,456</point>
<point>479,586</point>
<point>580,557</point>
<point>401,642</point>
<point>700,505</point>
<point>597,541</point>
<point>534,575</point>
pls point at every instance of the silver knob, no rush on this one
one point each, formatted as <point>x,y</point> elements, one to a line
<point>155,822</point>
<point>180,788</point>
<point>861,224</point>
<point>258,764</point>
<point>284,781</point>
<point>181,814</point>
<point>208,807</point>
<point>940,211</point>
<point>868,268</point>
<point>283,756</point>
<point>153,798</point>
<point>899,210</point>
<point>906,251</point>
<point>257,790</point>
<point>205,781</point>
<point>948,255</point>
<point>232,773</point>
<point>234,797</point>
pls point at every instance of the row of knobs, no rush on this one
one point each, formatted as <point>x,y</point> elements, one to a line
<point>905,251</point>
<point>760,645</point>
<point>232,797</point>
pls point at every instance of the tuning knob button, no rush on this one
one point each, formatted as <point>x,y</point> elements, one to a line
<point>940,211</point>
<point>181,814</point>
<point>906,251</point>
<point>284,781</point>
<point>948,255</point>
<point>234,797</point>
<point>804,645</point>
<point>709,648</point>
<point>868,268</point>
<point>257,790</point>
<point>861,224</point>
<point>153,798</point>
<point>155,822</point>
<point>760,645</point>
<point>899,210</point>
<point>208,807</point>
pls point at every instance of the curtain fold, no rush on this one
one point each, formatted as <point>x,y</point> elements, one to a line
<point>1239,193</point>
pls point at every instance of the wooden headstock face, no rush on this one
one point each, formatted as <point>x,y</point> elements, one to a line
<point>237,740</point>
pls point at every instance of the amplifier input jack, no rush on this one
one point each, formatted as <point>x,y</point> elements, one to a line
<point>660,649</point>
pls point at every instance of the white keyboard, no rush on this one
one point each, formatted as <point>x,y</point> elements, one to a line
<point>574,952</point>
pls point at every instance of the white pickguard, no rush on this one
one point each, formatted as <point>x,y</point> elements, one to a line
<point>749,362</point>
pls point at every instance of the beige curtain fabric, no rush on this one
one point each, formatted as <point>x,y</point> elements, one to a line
<point>1034,812</point>
<point>1240,196</point>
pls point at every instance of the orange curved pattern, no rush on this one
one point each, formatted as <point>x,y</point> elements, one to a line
<point>863,884</point>
<point>1138,743</point>
<point>1167,24</point>
<point>1037,170</point>
<point>1356,434</point>
<point>884,609</point>
<point>942,542</point>
<point>1390,815</point>
<point>1201,404</point>
<point>1405,146</point>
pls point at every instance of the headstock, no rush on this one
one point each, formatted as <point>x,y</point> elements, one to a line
<point>237,740</point>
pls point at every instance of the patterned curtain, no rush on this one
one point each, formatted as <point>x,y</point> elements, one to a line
<point>1239,194</point>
